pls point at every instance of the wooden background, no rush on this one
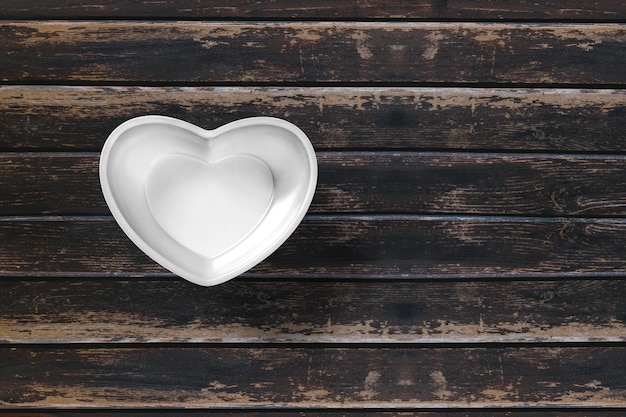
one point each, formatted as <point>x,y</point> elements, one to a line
<point>464,254</point>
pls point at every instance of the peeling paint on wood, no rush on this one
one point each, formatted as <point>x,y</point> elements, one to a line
<point>319,9</point>
<point>316,52</point>
<point>557,120</point>
<point>257,311</point>
<point>431,166</point>
<point>295,377</point>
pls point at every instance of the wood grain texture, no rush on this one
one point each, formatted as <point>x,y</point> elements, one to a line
<point>53,118</point>
<point>366,182</point>
<point>319,9</point>
<point>511,412</point>
<point>317,52</point>
<point>463,256</point>
<point>345,246</point>
<point>288,377</point>
<point>260,312</point>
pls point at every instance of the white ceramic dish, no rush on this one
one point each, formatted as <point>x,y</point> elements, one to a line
<point>208,204</point>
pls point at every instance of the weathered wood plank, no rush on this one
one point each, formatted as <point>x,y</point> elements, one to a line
<point>258,311</point>
<point>326,52</point>
<point>524,9</point>
<point>511,412</point>
<point>345,246</point>
<point>319,9</point>
<point>257,379</point>
<point>50,184</point>
<point>561,120</point>
<point>366,182</point>
<point>285,377</point>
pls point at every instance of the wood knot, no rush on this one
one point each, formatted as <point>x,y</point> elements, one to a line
<point>573,233</point>
<point>547,296</point>
<point>563,198</point>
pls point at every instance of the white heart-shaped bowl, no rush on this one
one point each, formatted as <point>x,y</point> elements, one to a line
<point>208,204</point>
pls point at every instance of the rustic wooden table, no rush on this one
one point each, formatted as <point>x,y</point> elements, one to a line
<point>464,254</point>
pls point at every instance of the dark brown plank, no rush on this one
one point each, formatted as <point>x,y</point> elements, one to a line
<point>50,184</point>
<point>524,9</point>
<point>539,412</point>
<point>257,311</point>
<point>328,52</point>
<point>562,120</point>
<point>345,246</point>
<point>277,9</point>
<point>284,377</point>
<point>366,182</point>
<point>319,9</point>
